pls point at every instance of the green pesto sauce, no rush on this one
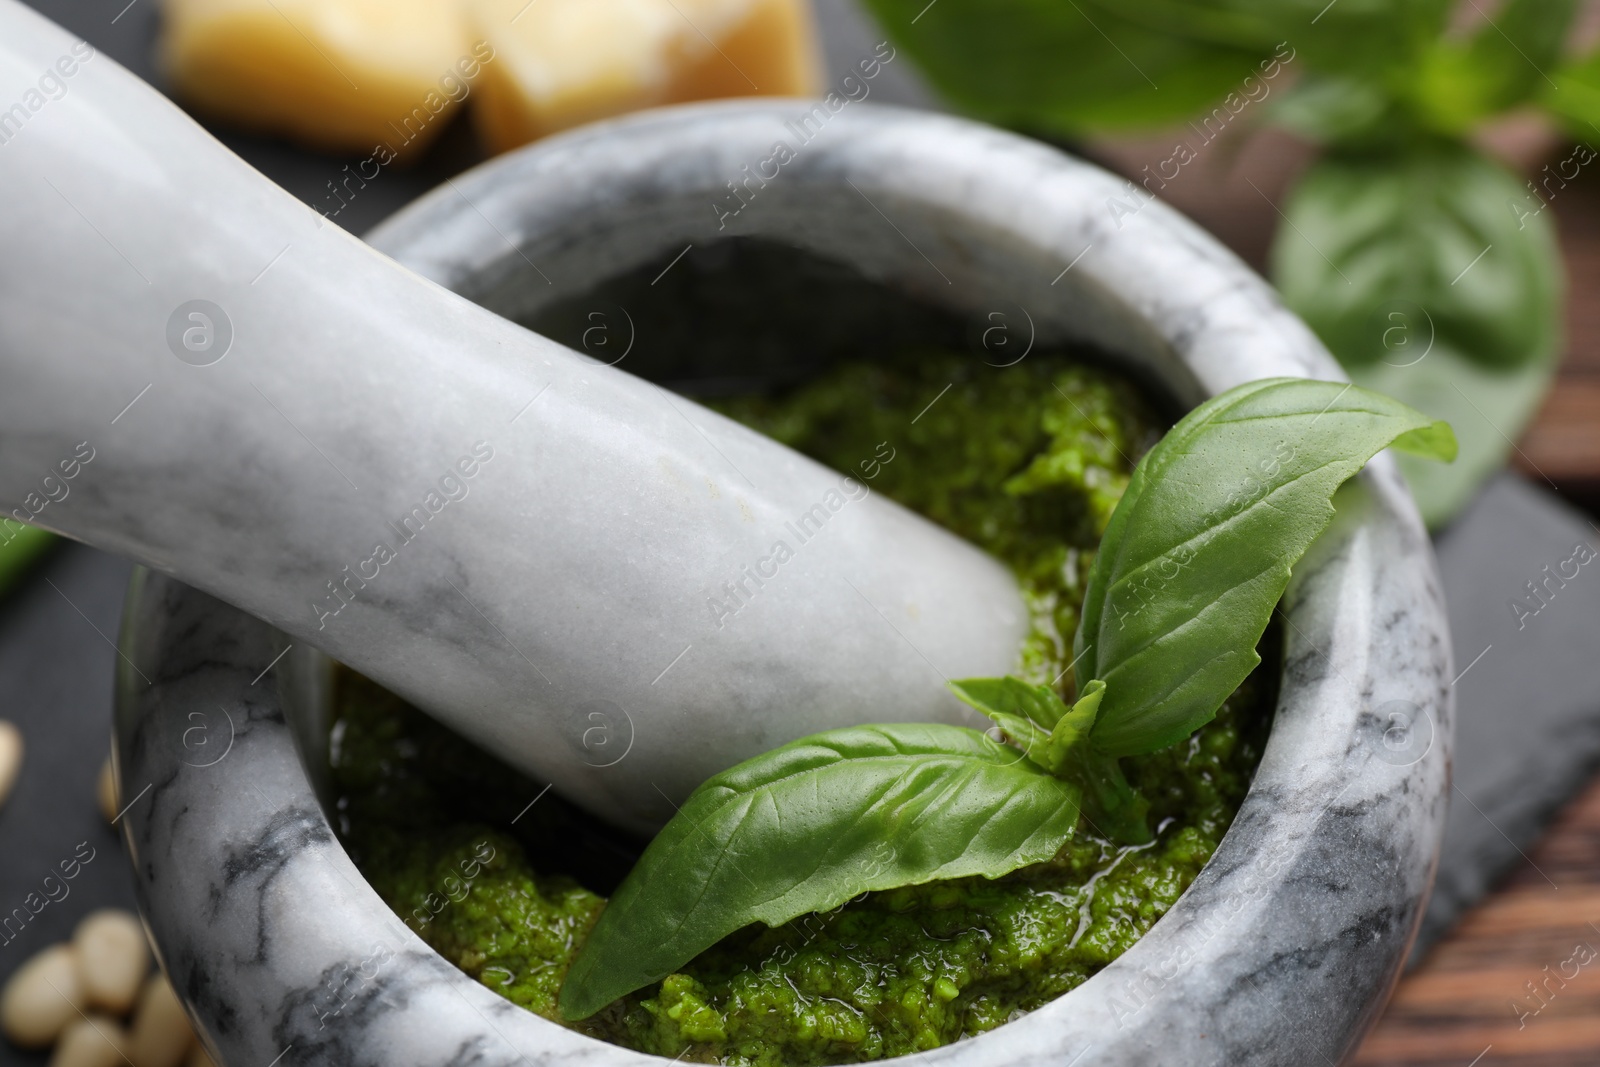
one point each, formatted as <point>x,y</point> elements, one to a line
<point>1027,462</point>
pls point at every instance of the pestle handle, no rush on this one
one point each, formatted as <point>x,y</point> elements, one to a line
<point>612,588</point>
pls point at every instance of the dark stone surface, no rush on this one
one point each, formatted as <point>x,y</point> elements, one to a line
<point>56,670</point>
<point>1529,709</point>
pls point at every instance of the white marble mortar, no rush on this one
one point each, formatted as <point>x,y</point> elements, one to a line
<point>1286,946</point>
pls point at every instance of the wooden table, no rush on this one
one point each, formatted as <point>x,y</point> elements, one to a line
<point>1563,445</point>
<point>1469,1003</point>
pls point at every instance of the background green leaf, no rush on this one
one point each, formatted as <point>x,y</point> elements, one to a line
<point>1377,40</point>
<point>1200,549</point>
<point>1335,107</point>
<point>1510,58</point>
<point>1390,78</point>
<point>20,546</point>
<point>1575,99</point>
<point>1065,67</point>
<point>1089,66</point>
<point>1435,279</point>
<point>805,828</point>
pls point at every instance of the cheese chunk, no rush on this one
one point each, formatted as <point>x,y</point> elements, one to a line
<point>332,74</point>
<point>560,63</point>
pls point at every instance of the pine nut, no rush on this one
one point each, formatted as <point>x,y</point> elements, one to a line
<point>41,998</point>
<point>105,791</point>
<point>161,1035</point>
<point>90,1041</point>
<point>113,959</point>
<point>10,757</point>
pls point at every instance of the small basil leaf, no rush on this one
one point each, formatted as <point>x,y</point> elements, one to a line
<point>992,697</point>
<point>805,828</point>
<point>1072,731</point>
<point>1433,277</point>
<point>1012,697</point>
<point>1200,548</point>
<point>1035,716</point>
<point>1112,808</point>
<point>1023,734</point>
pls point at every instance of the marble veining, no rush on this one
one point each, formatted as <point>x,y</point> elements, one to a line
<point>1282,951</point>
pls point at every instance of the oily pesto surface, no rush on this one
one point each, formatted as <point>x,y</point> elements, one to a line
<point>1027,462</point>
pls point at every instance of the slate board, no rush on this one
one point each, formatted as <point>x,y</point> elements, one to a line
<point>1529,709</point>
<point>1528,694</point>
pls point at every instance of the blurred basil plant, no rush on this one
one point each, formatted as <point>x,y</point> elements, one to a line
<point>1430,270</point>
<point>19,546</point>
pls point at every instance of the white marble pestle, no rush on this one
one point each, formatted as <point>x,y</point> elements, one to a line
<point>616,590</point>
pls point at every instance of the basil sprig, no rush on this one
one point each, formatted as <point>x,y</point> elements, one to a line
<point>1195,558</point>
<point>1035,719</point>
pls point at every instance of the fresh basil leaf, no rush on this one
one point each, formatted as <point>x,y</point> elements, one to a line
<point>1048,65</point>
<point>1072,728</point>
<point>1200,548</point>
<point>20,546</point>
<point>805,828</point>
<point>1434,278</point>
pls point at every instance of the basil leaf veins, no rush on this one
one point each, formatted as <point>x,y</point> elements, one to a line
<point>808,826</point>
<point>1201,544</point>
